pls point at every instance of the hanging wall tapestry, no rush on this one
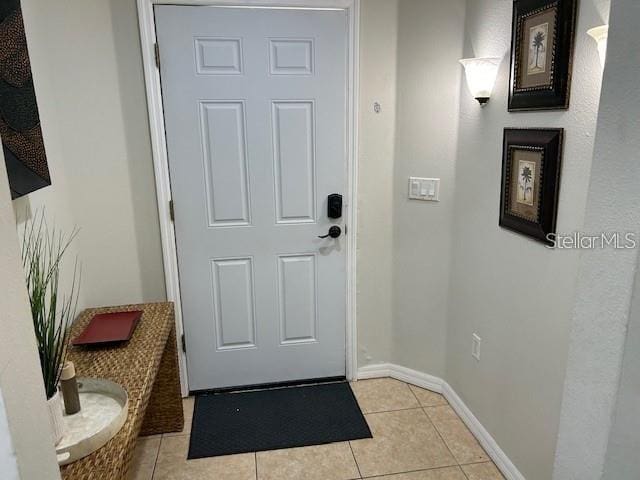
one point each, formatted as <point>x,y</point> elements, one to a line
<point>19,120</point>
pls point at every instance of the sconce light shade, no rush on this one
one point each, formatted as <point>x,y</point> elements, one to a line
<point>481,76</point>
<point>600,34</point>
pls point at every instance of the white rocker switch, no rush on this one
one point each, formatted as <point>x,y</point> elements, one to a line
<point>427,189</point>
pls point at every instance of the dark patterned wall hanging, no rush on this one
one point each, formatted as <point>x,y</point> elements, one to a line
<point>19,120</point>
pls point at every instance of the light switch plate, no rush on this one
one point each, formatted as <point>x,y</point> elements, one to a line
<point>427,189</point>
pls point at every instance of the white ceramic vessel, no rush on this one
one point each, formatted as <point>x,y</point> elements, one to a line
<point>54,405</point>
<point>104,408</point>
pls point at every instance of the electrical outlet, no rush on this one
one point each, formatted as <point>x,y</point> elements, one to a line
<point>475,346</point>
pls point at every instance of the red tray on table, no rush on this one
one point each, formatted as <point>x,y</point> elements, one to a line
<point>109,328</point>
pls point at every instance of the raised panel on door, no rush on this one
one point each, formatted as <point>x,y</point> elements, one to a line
<point>225,162</point>
<point>297,285</point>
<point>291,56</point>
<point>294,161</point>
<point>234,303</point>
<point>218,56</point>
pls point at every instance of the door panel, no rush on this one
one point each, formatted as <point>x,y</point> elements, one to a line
<point>225,162</point>
<point>294,162</point>
<point>255,116</point>
<point>234,303</point>
<point>297,293</point>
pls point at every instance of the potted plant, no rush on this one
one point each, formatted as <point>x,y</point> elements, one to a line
<point>52,310</point>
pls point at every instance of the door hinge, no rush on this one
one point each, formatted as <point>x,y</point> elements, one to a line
<point>156,49</point>
<point>172,214</point>
<point>183,343</point>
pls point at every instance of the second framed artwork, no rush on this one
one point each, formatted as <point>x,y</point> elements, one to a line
<point>531,162</point>
<point>541,54</point>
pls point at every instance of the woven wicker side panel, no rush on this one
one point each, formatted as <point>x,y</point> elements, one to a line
<point>164,412</point>
<point>134,366</point>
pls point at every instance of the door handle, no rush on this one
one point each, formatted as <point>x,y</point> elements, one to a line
<point>334,232</point>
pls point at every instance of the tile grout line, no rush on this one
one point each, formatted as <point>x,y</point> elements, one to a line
<point>414,471</point>
<point>477,463</point>
<point>414,394</point>
<point>393,410</point>
<point>419,407</point>
<point>419,404</point>
<point>488,459</point>
<point>354,457</point>
<point>155,463</point>
<point>255,460</point>
<point>446,404</point>
<point>441,437</point>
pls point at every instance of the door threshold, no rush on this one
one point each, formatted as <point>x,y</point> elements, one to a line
<point>269,386</point>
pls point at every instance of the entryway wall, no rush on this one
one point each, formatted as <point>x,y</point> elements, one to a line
<point>87,70</point>
<point>455,272</point>
<point>26,451</point>
<point>514,293</point>
<point>429,275</point>
<point>602,434</point>
<point>409,51</point>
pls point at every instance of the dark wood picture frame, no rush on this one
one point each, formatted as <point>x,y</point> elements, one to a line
<point>538,153</point>
<point>543,30</point>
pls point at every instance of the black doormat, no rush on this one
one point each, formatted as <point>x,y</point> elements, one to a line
<point>253,421</point>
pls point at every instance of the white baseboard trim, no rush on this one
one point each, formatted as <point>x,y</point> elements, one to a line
<point>404,374</point>
<point>438,385</point>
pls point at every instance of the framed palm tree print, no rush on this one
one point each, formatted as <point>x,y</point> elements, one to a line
<point>531,161</point>
<point>541,54</point>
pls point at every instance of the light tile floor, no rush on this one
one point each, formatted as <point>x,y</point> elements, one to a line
<point>416,436</point>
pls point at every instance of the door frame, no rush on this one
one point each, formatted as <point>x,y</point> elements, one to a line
<point>161,165</point>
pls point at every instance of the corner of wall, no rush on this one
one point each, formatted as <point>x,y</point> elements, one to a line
<point>378,40</point>
<point>20,374</point>
<point>430,43</point>
<point>602,306</point>
<point>499,278</point>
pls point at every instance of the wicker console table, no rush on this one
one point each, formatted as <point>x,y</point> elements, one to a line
<point>147,367</point>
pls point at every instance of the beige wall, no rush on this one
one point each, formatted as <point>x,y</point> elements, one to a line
<point>513,292</point>
<point>378,46</point>
<point>604,354</point>
<point>8,461</point>
<point>403,245</point>
<point>21,383</point>
<point>429,275</point>
<point>430,40</point>
<point>88,75</point>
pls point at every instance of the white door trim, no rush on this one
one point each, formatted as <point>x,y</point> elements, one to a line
<point>161,165</point>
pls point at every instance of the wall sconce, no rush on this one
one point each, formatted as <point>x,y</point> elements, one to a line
<point>481,76</point>
<point>600,35</point>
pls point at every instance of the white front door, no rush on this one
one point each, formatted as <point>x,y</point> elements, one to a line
<point>255,115</point>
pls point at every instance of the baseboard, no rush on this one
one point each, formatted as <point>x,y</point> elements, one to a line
<point>405,374</point>
<point>438,385</point>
